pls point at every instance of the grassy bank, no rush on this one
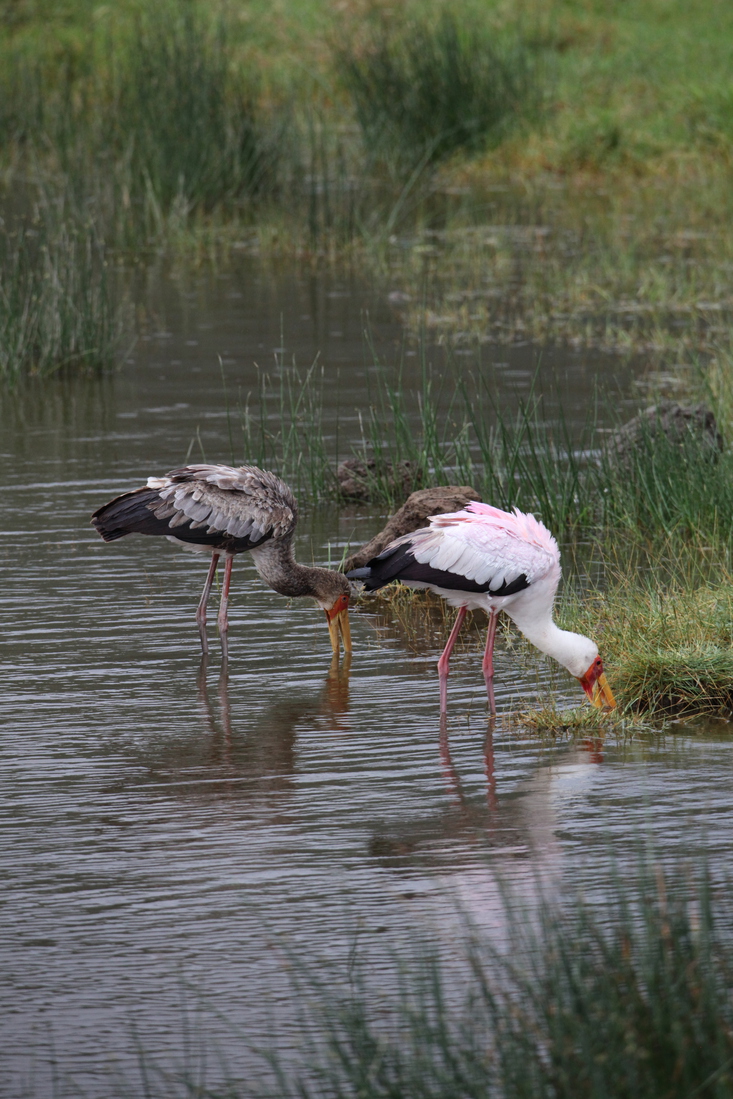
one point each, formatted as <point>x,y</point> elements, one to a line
<point>646,527</point>
<point>646,532</point>
<point>561,171</point>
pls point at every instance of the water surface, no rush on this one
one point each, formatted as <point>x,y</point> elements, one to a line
<point>174,834</point>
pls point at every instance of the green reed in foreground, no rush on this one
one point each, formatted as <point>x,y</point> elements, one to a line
<point>617,999</point>
<point>634,1000</point>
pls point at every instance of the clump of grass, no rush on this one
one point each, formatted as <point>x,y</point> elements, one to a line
<point>669,486</point>
<point>425,89</point>
<point>692,680</point>
<point>548,720</point>
<point>625,1000</point>
<point>666,642</point>
<point>184,122</point>
<point>57,312</point>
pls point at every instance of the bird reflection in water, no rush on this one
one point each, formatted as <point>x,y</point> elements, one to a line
<point>265,753</point>
<point>518,824</point>
<point>336,694</point>
<point>594,747</point>
<point>449,770</point>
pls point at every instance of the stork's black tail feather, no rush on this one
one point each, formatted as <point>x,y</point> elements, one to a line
<point>130,514</point>
<point>383,569</point>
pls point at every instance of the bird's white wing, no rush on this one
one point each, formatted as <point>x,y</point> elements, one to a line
<point>483,554</point>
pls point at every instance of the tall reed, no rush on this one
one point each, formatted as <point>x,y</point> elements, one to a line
<point>183,120</point>
<point>423,89</point>
<point>614,1002</point>
<point>676,490</point>
<point>57,311</point>
<point>281,427</point>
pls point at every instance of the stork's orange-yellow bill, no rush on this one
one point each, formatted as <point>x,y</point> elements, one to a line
<point>596,686</point>
<point>338,624</point>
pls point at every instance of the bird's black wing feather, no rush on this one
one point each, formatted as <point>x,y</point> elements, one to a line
<point>398,563</point>
<point>135,513</point>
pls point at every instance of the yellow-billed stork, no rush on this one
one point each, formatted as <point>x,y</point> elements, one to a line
<point>223,511</point>
<point>483,558</point>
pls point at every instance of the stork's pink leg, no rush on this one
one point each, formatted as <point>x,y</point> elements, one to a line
<point>203,601</point>
<point>488,661</point>
<point>223,619</point>
<point>444,662</point>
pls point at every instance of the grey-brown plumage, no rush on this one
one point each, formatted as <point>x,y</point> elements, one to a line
<point>226,510</point>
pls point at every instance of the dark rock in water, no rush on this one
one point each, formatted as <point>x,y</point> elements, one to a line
<point>678,424</point>
<point>356,478</point>
<point>412,515</point>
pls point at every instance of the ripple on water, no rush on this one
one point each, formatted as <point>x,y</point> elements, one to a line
<point>174,838</point>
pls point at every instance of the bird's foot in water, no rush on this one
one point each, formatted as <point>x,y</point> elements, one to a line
<point>224,639</point>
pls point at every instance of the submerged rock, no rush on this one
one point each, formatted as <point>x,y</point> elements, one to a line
<point>357,477</point>
<point>413,514</point>
<point>679,424</point>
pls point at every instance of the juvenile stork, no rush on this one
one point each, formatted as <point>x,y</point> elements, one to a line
<point>223,511</point>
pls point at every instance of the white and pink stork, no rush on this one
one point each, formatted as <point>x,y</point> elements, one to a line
<point>482,558</point>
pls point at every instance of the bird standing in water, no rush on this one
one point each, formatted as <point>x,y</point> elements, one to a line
<point>482,558</point>
<point>226,510</point>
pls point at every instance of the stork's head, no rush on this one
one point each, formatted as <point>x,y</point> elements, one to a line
<point>596,686</point>
<point>580,656</point>
<point>333,596</point>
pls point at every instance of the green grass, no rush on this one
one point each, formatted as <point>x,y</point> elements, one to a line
<point>603,220</point>
<point>628,999</point>
<point>57,310</point>
<point>423,91</point>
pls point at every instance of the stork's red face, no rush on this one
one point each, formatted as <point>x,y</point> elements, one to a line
<point>338,623</point>
<point>595,685</point>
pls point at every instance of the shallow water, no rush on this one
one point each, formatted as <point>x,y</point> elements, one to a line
<point>175,836</point>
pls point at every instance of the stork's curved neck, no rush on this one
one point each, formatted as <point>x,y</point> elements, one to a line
<point>276,564</point>
<point>574,651</point>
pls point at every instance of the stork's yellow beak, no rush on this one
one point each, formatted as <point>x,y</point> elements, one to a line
<point>338,624</point>
<point>596,686</point>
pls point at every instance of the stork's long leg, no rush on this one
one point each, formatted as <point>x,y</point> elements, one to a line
<point>488,661</point>
<point>444,662</point>
<point>203,601</point>
<point>224,603</point>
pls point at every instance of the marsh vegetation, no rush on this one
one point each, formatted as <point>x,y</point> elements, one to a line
<point>557,174</point>
<point>631,1000</point>
<point>560,173</point>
